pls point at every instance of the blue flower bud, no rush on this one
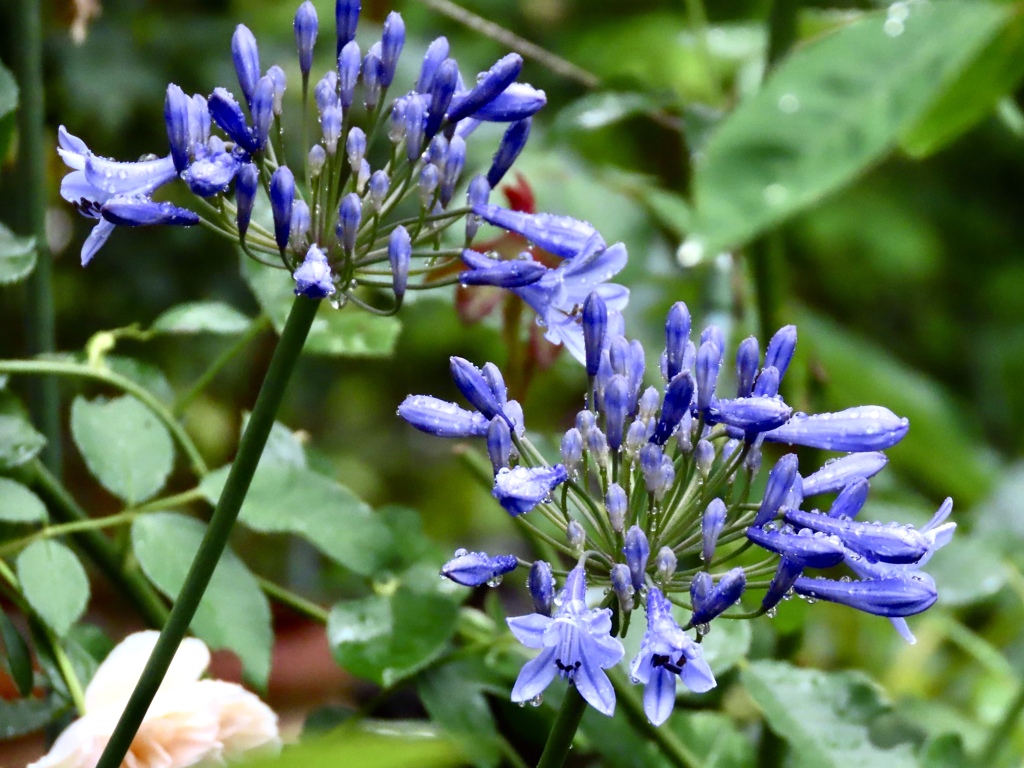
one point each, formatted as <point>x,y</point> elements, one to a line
<point>330,125</point>
<point>414,127</point>
<point>636,550</point>
<point>313,278</point>
<point>561,235</point>
<point>666,477</point>
<point>392,42</point>
<point>704,457</point>
<point>247,60</point>
<point>317,158</point>
<point>517,102</point>
<point>350,215</point>
<point>877,542</point>
<point>753,415</point>
<point>430,178</point>
<point>666,563</point>
<point>282,200</point>
<point>399,254</point>
<point>372,69</point>
<point>576,537</point>
<point>355,147</point>
<point>864,428</point>
<point>748,357</point>
<point>617,504</point>
<point>511,145</point>
<point>474,569</point>
<point>176,106</point>
<point>677,334</point>
<point>597,444</point>
<point>380,183</point>
<point>622,586</point>
<point>678,395</point>
<point>441,418</point>
<point>713,333</point>
<point>141,211</point>
<point>348,73</point>
<point>306,26</point>
<point>262,110</point>
<point>437,152</point>
<point>618,355</point>
<point>326,91</point>
<point>474,387</point>
<point>198,123</point>
<point>542,587</point>
<point>850,500</point>
<point>299,230</point>
<point>476,196</point>
<point>396,123</point>
<point>453,166</point>
<point>767,384</point>
<point>572,449</point>
<point>839,473</point>
<point>650,464</point>
<point>246,183</point>
<point>805,548</point>
<point>684,433</point>
<point>892,597</point>
<point>780,349</point>
<point>488,87</point>
<point>719,598</point>
<point>229,116</point>
<point>492,375</point>
<point>711,525</point>
<point>441,95</point>
<point>499,443</point>
<point>346,18</point>
<point>709,361</point>
<point>649,403</point>
<point>504,274</point>
<point>780,481</point>
<point>785,575</point>
<point>212,175</point>
<point>616,406</point>
<point>277,76</point>
<point>595,324</point>
<point>520,489</point>
<point>437,52</point>
<point>636,438</point>
<point>585,421</point>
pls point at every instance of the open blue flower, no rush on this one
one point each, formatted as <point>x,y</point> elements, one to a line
<point>667,653</point>
<point>575,643</point>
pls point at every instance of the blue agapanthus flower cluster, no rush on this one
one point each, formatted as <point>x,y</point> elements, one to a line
<point>657,498</point>
<point>377,177</point>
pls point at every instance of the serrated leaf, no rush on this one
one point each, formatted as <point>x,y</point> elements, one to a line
<point>18,718</point>
<point>54,583</point>
<point>19,505</point>
<point>233,613</point>
<point>825,716</point>
<point>17,256</point>
<point>452,694</point>
<point>16,654</point>
<point>289,499</point>
<point>19,441</point>
<point>202,317</point>
<point>349,332</point>
<point>127,449</point>
<point>386,638</point>
<point>830,110</point>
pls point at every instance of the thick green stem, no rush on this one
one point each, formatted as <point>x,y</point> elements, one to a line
<point>41,330</point>
<point>664,737</point>
<point>215,540</point>
<point>564,729</point>
<point>97,546</point>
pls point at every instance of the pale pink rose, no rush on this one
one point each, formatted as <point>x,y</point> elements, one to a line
<point>190,722</point>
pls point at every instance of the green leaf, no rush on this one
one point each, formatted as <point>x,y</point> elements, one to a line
<point>974,95</point>
<point>19,505</point>
<point>713,737</point>
<point>18,718</point>
<point>944,751</point>
<point>349,332</point>
<point>19,441</point>
<point>288,499</point>
<point>386,638</point>
<point>17,655</point>
<point>452,694</point>
<point>599,110</point>
<point>8,91</point>
<point>831,109</point>
<point>54,583</point>
<point>125,447</point>
<point>967,570</point>
<point>233,613</point>
<point>17,255</point>
<point>825,716</point>
<point>202,317</point>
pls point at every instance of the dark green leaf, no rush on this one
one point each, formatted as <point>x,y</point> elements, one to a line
<point>598,110</point>
<point>288,499</point>
<point>825,716</point>
<point>349,332</point>
<point>386,638</point>
<point>54,583</point>
<point>453,696</point>
<point>17,255</point>
<point>19,505</point>
<point>830,110</point>
<point>19,441</point>
<point>713,737</point>
<point>124,445</point>
<point>233,613</point>
<point>967,570</point>
<point>202,317</point>
<point>17,655</point>
<point>18,718</point>
<point>945,751</point>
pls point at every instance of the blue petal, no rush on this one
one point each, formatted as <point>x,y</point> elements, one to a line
<point>659,695</point>
<point>864,428</point>
<point>521,489</point>
<point>138,211</point>
<point>212,175</point>
<point>697,675</point>
<point>513,273</point>
<point>529,630</point>
<point>593,684</point>
<point>807,551</point>
<point>97,237</point>
<point>887,543</point>
<point>751,414</point>
<point>516,102</point>
<point>560,235</point>
<point>838,473</point>
<point>892,597</point>
<point>535,676</point>
<point>441,418</point>
<point>115,178</point>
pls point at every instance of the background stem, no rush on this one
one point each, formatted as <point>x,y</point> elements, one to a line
<point>216,538</point>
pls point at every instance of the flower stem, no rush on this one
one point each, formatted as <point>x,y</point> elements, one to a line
<point>216,538</point>
<point>41,330</point>
<point>563,730</point>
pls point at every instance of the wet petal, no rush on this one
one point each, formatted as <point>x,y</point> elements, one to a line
<point>95,240</point>
<point>697,675</point>
<point>535,676</point>
<point>659,695</point>
<point>529,630</point>
<point>117,178</point>
<point>594,686</point>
